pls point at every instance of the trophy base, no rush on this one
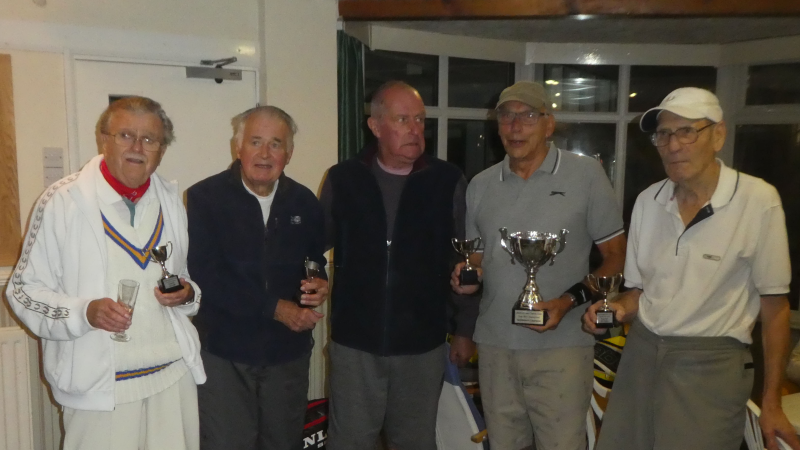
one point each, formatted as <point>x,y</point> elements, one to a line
<point>605,319</point>
<point>170,284</point>
<point>524,316</point>
<point>468,277</point>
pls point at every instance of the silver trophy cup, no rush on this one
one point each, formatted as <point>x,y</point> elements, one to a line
<point>312,270</point>
<point>168,282</point>
<point>465,248</point>
<point>532,249</point>
<point>604,286</point>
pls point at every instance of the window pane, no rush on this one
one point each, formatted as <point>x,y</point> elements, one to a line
<point>473,145</point>
<point>772,152</point>
<point>595,140</point>
<point>475,83</point>
<point>431,135</point>
<point>650,84</point>
<point>642,168</point>
<point>773,84</point>
<point>420,71</point>
<point>579,88</point>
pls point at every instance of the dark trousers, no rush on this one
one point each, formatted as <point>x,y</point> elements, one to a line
<point>399,394</point>
<point>244,407</point>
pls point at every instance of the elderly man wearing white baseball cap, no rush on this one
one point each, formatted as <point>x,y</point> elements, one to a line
<point>707,255</point>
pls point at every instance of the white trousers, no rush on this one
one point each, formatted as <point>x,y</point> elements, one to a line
<point>165,421</point>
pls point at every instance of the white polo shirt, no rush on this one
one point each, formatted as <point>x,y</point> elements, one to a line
<point>706,279</point>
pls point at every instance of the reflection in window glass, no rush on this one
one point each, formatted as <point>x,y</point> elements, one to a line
<point>582,88</point>
<point>420,71</point>
<point>772,152</point>
<point>642,168</point>
<point>594,140</point>
<point>431,135</point>
<point>773,84</point>
<point>473,145</point>
<point>475,83</point>
<point>650,84</point>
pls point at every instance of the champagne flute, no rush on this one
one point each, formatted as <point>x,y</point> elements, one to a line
<point>127,292</point>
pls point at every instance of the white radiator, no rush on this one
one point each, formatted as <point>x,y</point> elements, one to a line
<point>16,429</point>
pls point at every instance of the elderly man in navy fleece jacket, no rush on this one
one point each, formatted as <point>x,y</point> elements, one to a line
<point>251,229</point>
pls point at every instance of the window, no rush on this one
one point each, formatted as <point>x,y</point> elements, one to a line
<point>582,88</point>
<point>595,140</point>
<point>473,145</point>
<point>420,71</point>
<point>650,84</point>
<point>474,83</point>
<point>772,152</point>
<point>773,84</point>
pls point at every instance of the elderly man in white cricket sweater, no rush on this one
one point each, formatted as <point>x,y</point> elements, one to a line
<point>707,254</point>
<point>88,232</point>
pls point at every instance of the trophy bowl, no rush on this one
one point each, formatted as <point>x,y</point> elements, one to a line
<point>465,248</point>
<point>532,249</point>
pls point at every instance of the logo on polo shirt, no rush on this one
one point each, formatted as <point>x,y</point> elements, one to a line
<point>295,220</point>
<point>561,193</point>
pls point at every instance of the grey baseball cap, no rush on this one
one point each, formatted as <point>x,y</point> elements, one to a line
<point>527,92</point>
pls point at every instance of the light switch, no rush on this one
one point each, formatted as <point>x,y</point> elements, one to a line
<point>53,163</point>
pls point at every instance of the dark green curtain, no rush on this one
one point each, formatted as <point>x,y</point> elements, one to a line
<point>350,59</point>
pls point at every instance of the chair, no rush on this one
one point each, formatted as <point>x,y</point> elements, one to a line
<point>459,425</point>
<point>752,430</point>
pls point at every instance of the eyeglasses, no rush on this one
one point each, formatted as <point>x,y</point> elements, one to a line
<point>126,140</point>
<point>526,117</point>
<point>685,135</point>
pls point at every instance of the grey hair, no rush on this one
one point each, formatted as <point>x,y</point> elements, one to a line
<point>138,105</point>
<point>240,120</point>
<point>376,105</point>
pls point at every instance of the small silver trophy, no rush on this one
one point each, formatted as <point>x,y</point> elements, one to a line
<point>168,282</point>
<point>605,285</point>
<point>532,249</point>
<point>312,270</point>
<point>465,248</point>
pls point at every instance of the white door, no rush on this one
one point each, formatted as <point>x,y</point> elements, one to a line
<point>200,109</point>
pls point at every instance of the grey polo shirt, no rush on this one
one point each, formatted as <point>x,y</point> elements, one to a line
<point>567,191</point>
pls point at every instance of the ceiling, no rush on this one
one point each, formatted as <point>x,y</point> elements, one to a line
<point>595,29</point>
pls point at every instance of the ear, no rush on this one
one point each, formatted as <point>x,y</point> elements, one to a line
<point>372,123</point>
<point>719,134</point>
<point>289,153</point>
<point>550,126</point>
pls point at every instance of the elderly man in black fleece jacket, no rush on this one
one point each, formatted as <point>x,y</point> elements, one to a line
<point>251,229</point>
<point>390,215</point>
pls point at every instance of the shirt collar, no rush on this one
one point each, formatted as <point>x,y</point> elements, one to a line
<point>727,185</point>
<point>550,164</point>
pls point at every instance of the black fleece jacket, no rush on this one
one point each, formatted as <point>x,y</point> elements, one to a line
<point>244,267</point>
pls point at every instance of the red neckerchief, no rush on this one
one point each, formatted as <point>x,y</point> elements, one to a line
<point>131,194</point>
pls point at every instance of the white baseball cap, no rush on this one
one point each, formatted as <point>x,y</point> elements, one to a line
<point>688,102</point>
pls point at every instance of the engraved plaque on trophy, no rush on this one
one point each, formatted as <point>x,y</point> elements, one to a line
<point>606,317</point>
<point>532,249</point>
<point>465,248</point>
<point>168,282</point>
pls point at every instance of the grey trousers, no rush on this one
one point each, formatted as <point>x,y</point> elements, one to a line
<point>399,394</point>
<point>542,394</point>
<point>246,408</point>
<point>678,393</point>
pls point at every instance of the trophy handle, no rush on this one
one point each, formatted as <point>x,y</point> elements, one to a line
<point>562,242</point>
<point>478,241</point>
<point>505,243</point>
<point>592,281</point>
<point>169,249</point>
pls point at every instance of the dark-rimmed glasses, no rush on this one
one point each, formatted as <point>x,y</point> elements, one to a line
<point>684,135</point>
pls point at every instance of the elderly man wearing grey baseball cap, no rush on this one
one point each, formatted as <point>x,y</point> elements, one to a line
<point>708,253</point>
<point>536,378</point>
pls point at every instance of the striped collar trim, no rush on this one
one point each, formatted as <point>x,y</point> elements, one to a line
<point>141,256</point>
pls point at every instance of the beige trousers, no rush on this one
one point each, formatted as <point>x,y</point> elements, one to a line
<point>165,421</point>
<point>541,394</point>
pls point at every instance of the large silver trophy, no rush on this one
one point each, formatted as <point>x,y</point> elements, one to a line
<point>168,282</point>
<point>465,248</point>
<point>532,249</point>
<point>605,285</point>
